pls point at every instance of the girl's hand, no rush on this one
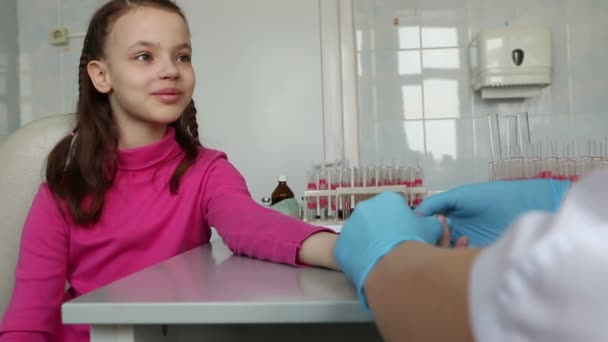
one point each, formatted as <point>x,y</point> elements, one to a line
<point>463,241</point>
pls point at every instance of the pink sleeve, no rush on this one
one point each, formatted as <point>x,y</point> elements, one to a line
<point>246,227</point>
<point>34,313</point>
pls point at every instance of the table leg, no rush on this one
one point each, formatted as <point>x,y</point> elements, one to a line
<point>112,333</point>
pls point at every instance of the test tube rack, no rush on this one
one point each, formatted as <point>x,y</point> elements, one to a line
<point>345,199</point>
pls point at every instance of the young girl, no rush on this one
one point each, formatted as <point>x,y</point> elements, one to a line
<point>131,185</point>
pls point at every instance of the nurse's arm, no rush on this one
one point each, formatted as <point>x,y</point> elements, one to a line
<point>419,292</point>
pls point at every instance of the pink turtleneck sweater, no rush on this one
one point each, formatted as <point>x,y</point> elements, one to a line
<point>142,224</point>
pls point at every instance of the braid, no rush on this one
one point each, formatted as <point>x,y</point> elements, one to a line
<point>186,135</point>
<point>190,121</point>
<point>82,69</point>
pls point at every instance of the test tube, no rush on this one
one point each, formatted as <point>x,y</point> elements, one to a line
<point>358,176</point>
<point>312,177</point>
<point>551,167</point>
<point>397,175</point>
<point>382,175</point>
<point>529,165</point>
<point>323,200</point>
<point>495,144</point>
<point>407,178</point>
<point>511,132</point>
<point>369,174</point>
<point>570,170</point>
<point>388,175</point>
<point>418,182</point>
<point>583,165</point>
<point>346,199</point>
<point>334,183</point>
<point>523,130</point>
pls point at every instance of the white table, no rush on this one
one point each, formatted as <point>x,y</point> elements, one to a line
<point>209,294</point>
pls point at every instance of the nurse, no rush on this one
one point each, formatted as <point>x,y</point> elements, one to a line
<point>543,279</point>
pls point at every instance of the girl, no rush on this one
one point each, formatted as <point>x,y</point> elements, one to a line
<point>131,185</point>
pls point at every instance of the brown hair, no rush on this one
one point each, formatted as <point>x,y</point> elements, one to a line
<point>82,166</point>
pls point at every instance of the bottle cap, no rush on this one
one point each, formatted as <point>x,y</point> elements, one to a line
<point>282,178</point>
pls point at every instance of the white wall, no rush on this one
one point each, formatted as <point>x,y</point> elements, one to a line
<point>258,78</point>
<point>258,90</point>
<point>9,68</point>
<point>440,120</point>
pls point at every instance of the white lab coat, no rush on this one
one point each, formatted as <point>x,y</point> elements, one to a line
<point>546,278</point>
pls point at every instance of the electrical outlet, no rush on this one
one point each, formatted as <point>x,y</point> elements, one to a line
<point>58,36</point>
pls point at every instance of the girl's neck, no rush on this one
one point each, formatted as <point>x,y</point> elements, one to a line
<point>140,135</point>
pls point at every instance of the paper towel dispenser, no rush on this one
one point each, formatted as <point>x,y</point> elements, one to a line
<point>511,62</point>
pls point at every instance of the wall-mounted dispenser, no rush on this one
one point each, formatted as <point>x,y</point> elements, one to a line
<point>511,62</point>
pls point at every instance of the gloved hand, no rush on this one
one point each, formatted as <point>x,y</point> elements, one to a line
<point>483,211</point>
<point>375,228</point>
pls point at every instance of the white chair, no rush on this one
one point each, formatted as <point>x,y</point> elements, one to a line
<point>22,159</point>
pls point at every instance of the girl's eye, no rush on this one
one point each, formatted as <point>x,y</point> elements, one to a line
<point>184,58</point>
<point>144,57</point>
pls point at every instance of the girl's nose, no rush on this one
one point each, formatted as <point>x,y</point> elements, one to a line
<point>169,69</point>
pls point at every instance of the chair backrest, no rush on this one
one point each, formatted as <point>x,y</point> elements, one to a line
<point>22,159</point>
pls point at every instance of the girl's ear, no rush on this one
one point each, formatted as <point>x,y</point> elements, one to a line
<point>98,72</point>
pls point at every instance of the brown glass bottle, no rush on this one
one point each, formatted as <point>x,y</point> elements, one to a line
<point>281,192</point>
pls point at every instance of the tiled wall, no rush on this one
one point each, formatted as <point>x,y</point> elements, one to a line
<point>415,92</point>
<point>9,69</point>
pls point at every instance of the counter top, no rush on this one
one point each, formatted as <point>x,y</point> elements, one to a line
<point>209,285</point>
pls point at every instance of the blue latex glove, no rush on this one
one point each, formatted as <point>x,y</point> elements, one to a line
<point>483,211</point>
<point>374,229</point>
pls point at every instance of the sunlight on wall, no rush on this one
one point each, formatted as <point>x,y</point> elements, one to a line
<point>441,59</point>
<point>415,135</point>
<point>409,37</point>
<point>427,59</point>
<point>409,63</point>
<point>442,143</point>
<point>433,37</point>
<point>412,101</point>
<point>441,99</point>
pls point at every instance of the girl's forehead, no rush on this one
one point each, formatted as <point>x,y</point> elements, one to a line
<point>148,23</point>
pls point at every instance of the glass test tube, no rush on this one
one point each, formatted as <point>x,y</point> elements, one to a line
<point>358,176</point>
<point>406,178</point>
<point>334,183</point>
<point>346,200</point>
<point>312,177</point>
<point>323,200</point>
<point>369,174</point>
<point>583,166</point>
<point>523,129</point>
<point>495,144</point>
<point>511,133</point>
<point>358,182</point>
<point>418,182</point>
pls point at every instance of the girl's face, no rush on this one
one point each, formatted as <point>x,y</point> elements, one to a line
<point>146,71</point>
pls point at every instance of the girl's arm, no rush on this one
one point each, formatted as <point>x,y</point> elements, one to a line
<point>419,292</point>
<point>252,230</point>
<point>34,313</point>
<point>318,250</point>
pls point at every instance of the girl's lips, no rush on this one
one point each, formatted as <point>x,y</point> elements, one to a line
<point>167,98</point>
<point>168,95</point>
